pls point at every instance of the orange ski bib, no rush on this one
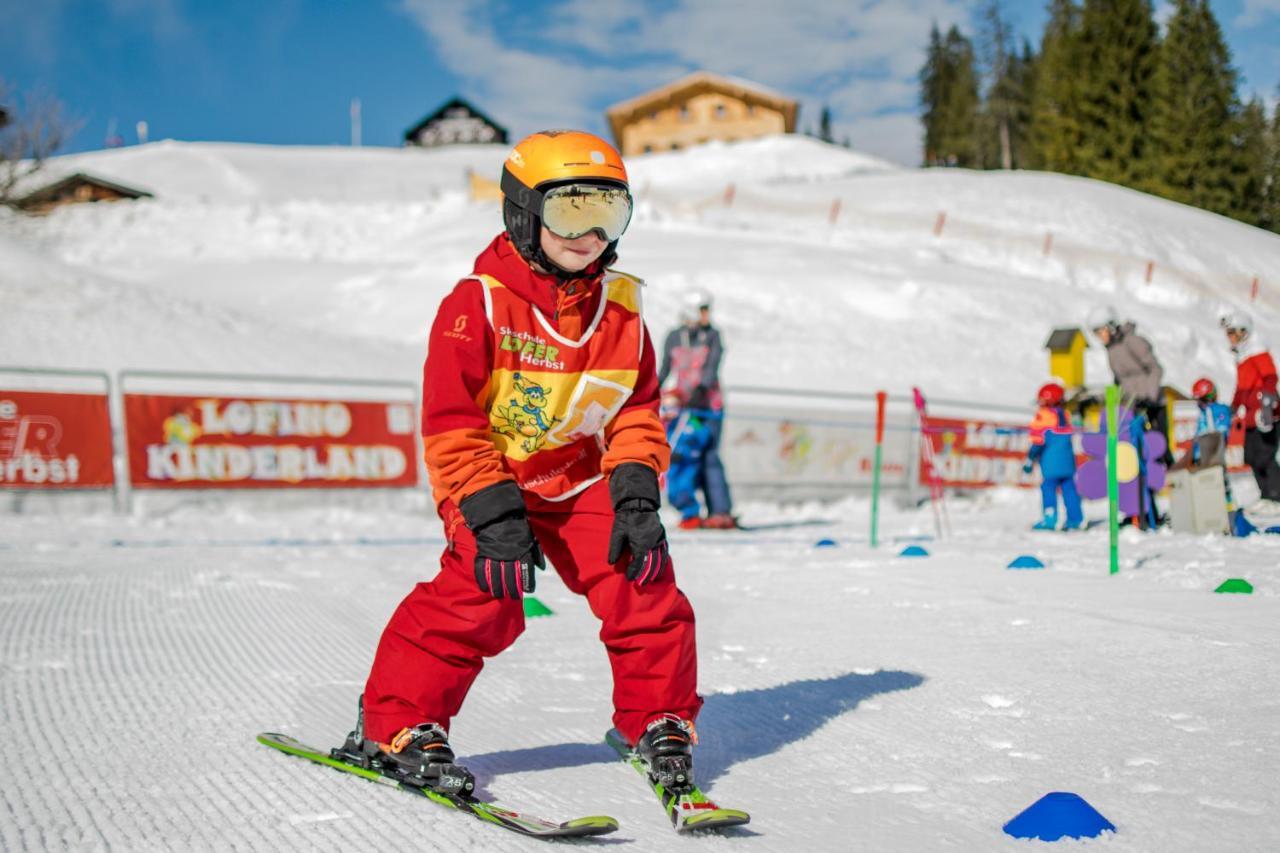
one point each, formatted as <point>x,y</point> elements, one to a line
<point>549,397</point>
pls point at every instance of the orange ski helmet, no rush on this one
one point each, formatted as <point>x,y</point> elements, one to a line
<point>552,160</point>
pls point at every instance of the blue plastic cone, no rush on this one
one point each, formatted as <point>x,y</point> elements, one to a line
<point>1026,561</point>
<point>825,543</point>
<point>913,551</point>
<point>1059,815</point>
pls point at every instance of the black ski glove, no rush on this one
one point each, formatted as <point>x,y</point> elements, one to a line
<point>636,527</point>
<point>699,398</point>
<point>506,552</point>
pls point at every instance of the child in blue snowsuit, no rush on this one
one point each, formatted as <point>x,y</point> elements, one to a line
<point>1214,416</point>
<point>689,436</point>
<point>1051,447</point>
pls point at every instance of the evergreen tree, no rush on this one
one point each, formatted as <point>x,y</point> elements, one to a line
<point>998,59</point>
<point>1252,148</point>
<point>1054,135</point>
<point>1195,126</point>
<point>1270,217</point>
<point>1119,49</point>
<point>824,126</point>
<point>949,98</point>
<point>959,146</point>
<point>932,84</point>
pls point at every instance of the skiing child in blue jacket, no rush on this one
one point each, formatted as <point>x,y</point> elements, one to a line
<point>1051,447</point>
<point>689,436</point>
<point>1214,416</point>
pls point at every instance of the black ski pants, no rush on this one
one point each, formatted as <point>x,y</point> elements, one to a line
<point>1260,455</point>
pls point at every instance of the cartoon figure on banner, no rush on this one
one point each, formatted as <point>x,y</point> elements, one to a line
<point>1091,478</point>
<point>796,444</point>
<point>836,452</point>
<point>181,428</point>
<point>526,417</point>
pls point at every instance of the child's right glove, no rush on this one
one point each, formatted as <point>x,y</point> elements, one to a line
<point>633,487</point>
<point>506,552</point>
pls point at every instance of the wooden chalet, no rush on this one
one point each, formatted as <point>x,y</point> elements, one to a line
<point>75,189</point>
<point>697,109</point>
<point>456,122</point>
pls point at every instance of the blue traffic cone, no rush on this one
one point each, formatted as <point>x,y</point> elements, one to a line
<point>1059,815</point>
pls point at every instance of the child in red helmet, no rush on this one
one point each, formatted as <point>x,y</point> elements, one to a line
<point>541,435</point>
<point>1214,417</point>
<point>1051,446</point>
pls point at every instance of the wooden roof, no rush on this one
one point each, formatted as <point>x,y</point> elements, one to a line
<point>698,83</point>
<point>53,190</point>
<point>412,133</point>
<point>1061,339</point>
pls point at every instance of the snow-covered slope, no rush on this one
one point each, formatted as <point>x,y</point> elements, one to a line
<point>365,242</point>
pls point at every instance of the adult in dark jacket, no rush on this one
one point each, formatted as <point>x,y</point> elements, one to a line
<point>1135,367</point>
<point>691,356</point>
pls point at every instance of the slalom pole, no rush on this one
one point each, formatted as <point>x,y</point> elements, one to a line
<point>881,397</point>
<point>1113,485</point>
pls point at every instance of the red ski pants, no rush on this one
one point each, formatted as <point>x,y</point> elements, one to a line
<point>436,642</point>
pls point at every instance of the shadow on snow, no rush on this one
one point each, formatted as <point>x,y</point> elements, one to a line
<point>735,727</point>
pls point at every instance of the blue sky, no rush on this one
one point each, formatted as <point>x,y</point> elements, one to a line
<point>285,71</point>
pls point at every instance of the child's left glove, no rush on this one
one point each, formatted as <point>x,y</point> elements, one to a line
<point>633,487</point>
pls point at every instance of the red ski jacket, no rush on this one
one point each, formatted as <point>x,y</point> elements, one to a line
<point>1255,375</point>
<point>458,433</point>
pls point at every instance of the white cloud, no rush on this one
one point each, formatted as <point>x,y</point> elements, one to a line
<point>1255,10</point>
<point>860,57</point>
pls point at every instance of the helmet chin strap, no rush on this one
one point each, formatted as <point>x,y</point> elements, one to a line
<point>539,258</point>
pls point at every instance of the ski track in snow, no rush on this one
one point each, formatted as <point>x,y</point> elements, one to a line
<point>925,701</point>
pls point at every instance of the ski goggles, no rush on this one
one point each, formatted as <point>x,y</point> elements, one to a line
<point>572,210</point>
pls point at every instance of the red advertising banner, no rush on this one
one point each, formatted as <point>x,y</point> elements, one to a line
<point>223,442</point>
<point>54,441</point>
<point>976,454</point>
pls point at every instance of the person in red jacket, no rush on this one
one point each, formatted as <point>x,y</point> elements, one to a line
<point>542,436</point>
<point>1255,404</point>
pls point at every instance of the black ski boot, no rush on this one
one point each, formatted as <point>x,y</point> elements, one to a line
<point>667,747</point>
<point>420,756</point>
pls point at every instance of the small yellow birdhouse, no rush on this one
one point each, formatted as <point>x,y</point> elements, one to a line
<point>1066,356</point>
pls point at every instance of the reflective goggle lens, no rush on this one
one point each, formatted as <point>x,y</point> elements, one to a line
<point>576,209</point>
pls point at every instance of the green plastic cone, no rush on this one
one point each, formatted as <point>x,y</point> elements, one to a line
<point>534,607</point>
<point>1235,585</point>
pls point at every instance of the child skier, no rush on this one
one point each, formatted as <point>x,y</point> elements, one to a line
<point>1051,446</point>
<point>1214,417</point>
<point>541,427</point>
<point>689,437</point>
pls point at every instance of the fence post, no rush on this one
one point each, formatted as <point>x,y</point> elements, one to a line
<point>835,212</point>
<point>1253,290</point>
<point>728,195</point>
<point>1151,269</point>
<point>939,223</point>
<point>1048,243</point>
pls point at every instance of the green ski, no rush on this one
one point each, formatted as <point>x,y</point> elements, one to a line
<point>524,824</point>
<point>688,810</point>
